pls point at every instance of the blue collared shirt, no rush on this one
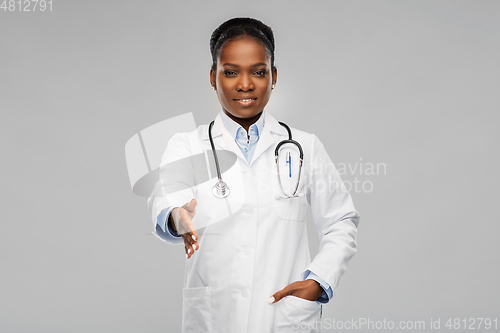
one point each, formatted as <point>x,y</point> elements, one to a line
<point>247,143</point>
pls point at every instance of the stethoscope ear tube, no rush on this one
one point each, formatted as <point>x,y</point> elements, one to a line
<point>213,149</point>
<point>287,129</point>
<point>288,141</point>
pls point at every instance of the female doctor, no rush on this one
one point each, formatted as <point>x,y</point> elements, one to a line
<point>248,265</point>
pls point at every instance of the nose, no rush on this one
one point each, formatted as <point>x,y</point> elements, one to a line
<point>245,83</point>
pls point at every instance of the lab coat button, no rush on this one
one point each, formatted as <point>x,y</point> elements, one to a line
<point>247,251</point>
<point>244,293</point>
<point>250,210</point>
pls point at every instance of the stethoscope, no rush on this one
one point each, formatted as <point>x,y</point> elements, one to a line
<point>221,190</point>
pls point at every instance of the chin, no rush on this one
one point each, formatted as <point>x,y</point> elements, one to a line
<point>248,114</point>
<point>244,113</point>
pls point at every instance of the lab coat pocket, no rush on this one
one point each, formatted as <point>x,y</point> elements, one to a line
<point>293,209</point>
<point>295,314</point>
<point>196,310</point>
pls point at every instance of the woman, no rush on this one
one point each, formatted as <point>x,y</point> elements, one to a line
<point>248,266</point>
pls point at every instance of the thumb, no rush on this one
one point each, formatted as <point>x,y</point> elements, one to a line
<point>280,294</point>
<point>193,203</point>
<point>190,206</point>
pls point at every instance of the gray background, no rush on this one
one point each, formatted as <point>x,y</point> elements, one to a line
<point>412,84</point>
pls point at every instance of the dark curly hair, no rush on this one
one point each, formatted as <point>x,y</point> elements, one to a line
<point>241,26</point>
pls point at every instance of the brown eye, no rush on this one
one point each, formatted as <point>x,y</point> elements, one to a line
<point>229,73</point>
<point>261,73</point>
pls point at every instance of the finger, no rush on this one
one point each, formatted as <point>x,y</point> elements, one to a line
<point>187,238</point>
<point>189,250</point>
<point>185,227</point>
<point>188,241</point>
<point>191,234</point>
<point>194,237</point>
<point>191,239</point>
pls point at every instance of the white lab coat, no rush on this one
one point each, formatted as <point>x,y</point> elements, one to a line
<point>261,245</point>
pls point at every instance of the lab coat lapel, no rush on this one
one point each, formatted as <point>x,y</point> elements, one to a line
<point>222,138</point>
<point>267,139</point>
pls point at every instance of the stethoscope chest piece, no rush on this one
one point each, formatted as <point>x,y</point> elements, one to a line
<point>220,189</point>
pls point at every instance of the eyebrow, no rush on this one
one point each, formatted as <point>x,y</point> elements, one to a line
<point>254,65</point>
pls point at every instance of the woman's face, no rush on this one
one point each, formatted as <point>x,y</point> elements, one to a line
<point>244,77</point>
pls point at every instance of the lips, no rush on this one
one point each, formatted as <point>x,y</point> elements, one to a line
<point>245,101</point>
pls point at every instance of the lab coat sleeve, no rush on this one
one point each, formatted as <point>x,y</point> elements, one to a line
<point>335,218</point>
<point>174,188</point>
<point>165,230</point>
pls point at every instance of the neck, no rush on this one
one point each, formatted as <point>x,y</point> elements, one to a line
<point>244,122</point>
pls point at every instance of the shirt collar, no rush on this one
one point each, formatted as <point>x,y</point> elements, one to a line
<point>233,127</point>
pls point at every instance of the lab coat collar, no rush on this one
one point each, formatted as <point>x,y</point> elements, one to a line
<point>217,129</point>
<point>221,137</point>
<point>227,142</point>
<point>273,126</point>
<point>267,139</point>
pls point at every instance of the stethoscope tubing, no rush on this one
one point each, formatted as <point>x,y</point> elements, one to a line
<point>221,190</point>
<point>213,149</point>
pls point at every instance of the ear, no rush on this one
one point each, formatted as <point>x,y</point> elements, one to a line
<point>212,77</point>
<point>275,75</point>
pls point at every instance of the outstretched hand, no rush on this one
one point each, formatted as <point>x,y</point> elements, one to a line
<point>309,290</point>
<point>182,218</point>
